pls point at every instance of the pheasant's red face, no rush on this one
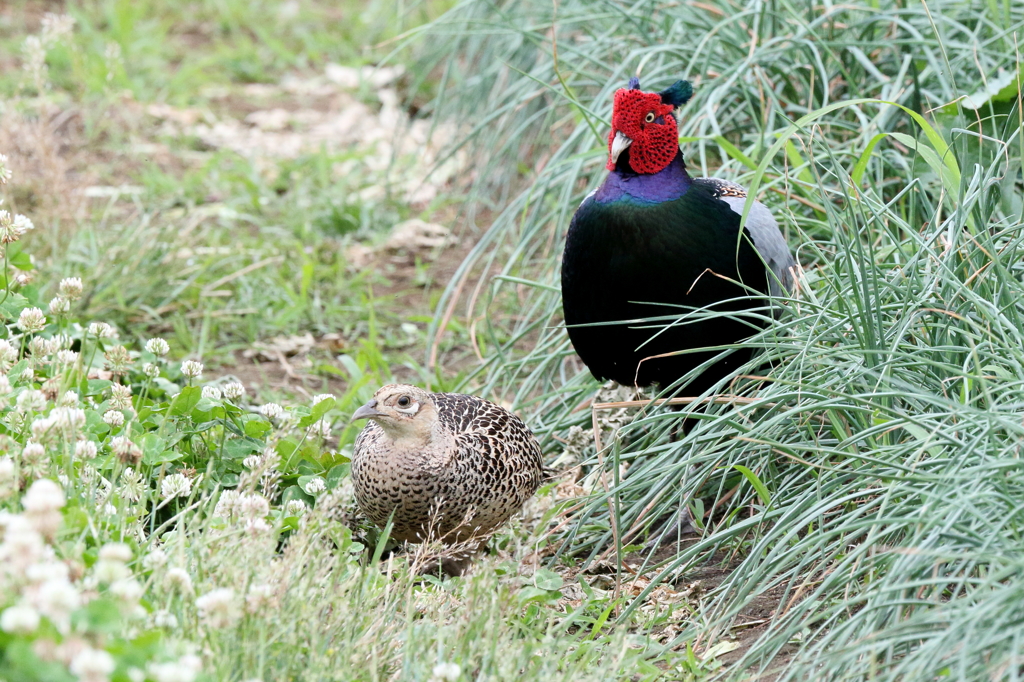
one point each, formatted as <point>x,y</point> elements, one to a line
<point>642,122</point>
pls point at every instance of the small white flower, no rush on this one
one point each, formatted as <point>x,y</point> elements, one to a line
<point>128,590</point>
<point>321,428</point>
<point>259,598</point>
<point>60,306</point>
<point>5,385</point>
<point>295,508</point>
<point>110,571</point>
<point>5,173</point>
<point>175,485</point>
<point>67,357</point>
<point>19,620</point>
<point>8,477</point>
<point>234,390</point>
<point>151,370</point>
<point>31,400</point>
<point>102,330</point>
<point>121,397</point>
<point>218,608</point>
<point>8,355</point>
<point>449,672</point>
<point>71,288</point>
<point>133,485</point>
<point>43,496</point>
<point>85,450</point>
<point>191,368</point>
<point>252,461</point>
<point>156,558</point>
<point>321,397</point>
<point>158,347</point>
<point>179,579</point>
<point>33,452</point>
<point>184,669</point>
<point>42,428</point>
<point>57,600</point>
<point>228,504</point>
<point>253,506</point>
<point>315,486</point>
<point>271,411</point>
<point>68,418</point>
<point>114,418</point>
<point>116,551</point>
<point>11,229</point>
<point>257,526</point>
<point>31,320</point>
<point>211,392</point>
<point>92,665</point>
<point>165,619</point>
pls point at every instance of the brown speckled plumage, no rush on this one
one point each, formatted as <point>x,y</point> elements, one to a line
<point>442,458</point>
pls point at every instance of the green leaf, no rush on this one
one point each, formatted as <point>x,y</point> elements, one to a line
<point>186,400</point>
<point>546,579</point>
<point>163,457</point>
<point>257,427</point>
<point>762,491</point>
<point>318,411</point>
<point>337,474</point>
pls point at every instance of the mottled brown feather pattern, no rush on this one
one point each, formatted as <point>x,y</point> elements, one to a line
<point>475,460</point>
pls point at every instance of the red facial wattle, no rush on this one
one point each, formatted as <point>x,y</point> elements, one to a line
<point>648,122</point>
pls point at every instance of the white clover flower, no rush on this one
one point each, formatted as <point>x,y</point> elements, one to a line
<point>320,397</point>
<point>68,418</point>
<point>126,450</point>
<point>31,400</point>
<point>33,452</point>
<point>57,600</point>
<point>8,477</point>
<point>253,506</point>
<point>271,411</point>
<point>5,385</point>
<point>449,672</point>
<point>211,392</point>
<point>127,589</point>
<point>259,598</point>
<point>218,608</point>
<point>22,547</point>
<point>11,229</point>
<point>114,418</point>
<point>69,399</point>
<point>175,485</point>
<point>110,571</point>
<point>5,173</point>
<point>8,354</point>
<point>19,620</point>
<point>59,306</point>
<point>252,461</point>
<point>257,526</point>
<point>321,428</point>
<point>85,450</point>
<point>31,320</point>
<point>67,357</point>
<point>92,665</point>
<point>43,496</point>
<point>115,551</point>
<point>315,486</point>
<point>151,370</point>
<point>155,559</point>
<point>71,288</point>
<point>191,368</point>
<point>234,390</point>
<point>158,347</point>
<point>55,27</point>
<point>295,508</point>
<point>228,504</point>
<point>133,485</point>
<point>101,330</point>
<point>120,397</point>
<point>178,578</point>
<point>39,348</point>
<point>42,428</point>
<point>184,669</point>
<point>118,359</point>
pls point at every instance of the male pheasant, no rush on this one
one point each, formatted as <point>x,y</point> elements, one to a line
<point>653,242</point>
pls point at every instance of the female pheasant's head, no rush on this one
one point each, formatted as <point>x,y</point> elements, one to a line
<point>404,412</point>
<point>643,122</point>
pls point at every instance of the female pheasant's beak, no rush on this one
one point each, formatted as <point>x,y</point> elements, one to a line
<point>619,144</point>
<point>367,411</point>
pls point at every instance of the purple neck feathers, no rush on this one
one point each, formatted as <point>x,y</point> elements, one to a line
<point>665,185</point>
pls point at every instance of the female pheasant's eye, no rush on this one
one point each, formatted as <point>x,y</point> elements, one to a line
<point>403,401</point>
<point>650,117</point>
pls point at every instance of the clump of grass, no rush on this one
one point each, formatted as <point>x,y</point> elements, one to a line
<point>869,484</point>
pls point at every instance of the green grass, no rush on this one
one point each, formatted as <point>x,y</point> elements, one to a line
<point>871,487</point>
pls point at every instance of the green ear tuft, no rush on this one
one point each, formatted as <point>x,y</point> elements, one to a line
<point>678,94</point>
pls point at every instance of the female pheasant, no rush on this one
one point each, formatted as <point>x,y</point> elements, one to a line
<point>441,466</point>
<point>652,242</point>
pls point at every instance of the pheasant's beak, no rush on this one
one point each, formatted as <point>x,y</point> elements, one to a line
<point>367,411</point>
<point>619,144</point>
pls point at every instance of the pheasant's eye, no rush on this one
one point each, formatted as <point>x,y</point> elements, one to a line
<point>403,401</point>
<point>650,117</point>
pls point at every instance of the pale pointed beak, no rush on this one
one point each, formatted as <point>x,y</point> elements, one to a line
<point>619,145</point>
<point>367,411</point>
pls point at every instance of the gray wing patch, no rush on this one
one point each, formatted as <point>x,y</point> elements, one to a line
<point>768,241</point>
